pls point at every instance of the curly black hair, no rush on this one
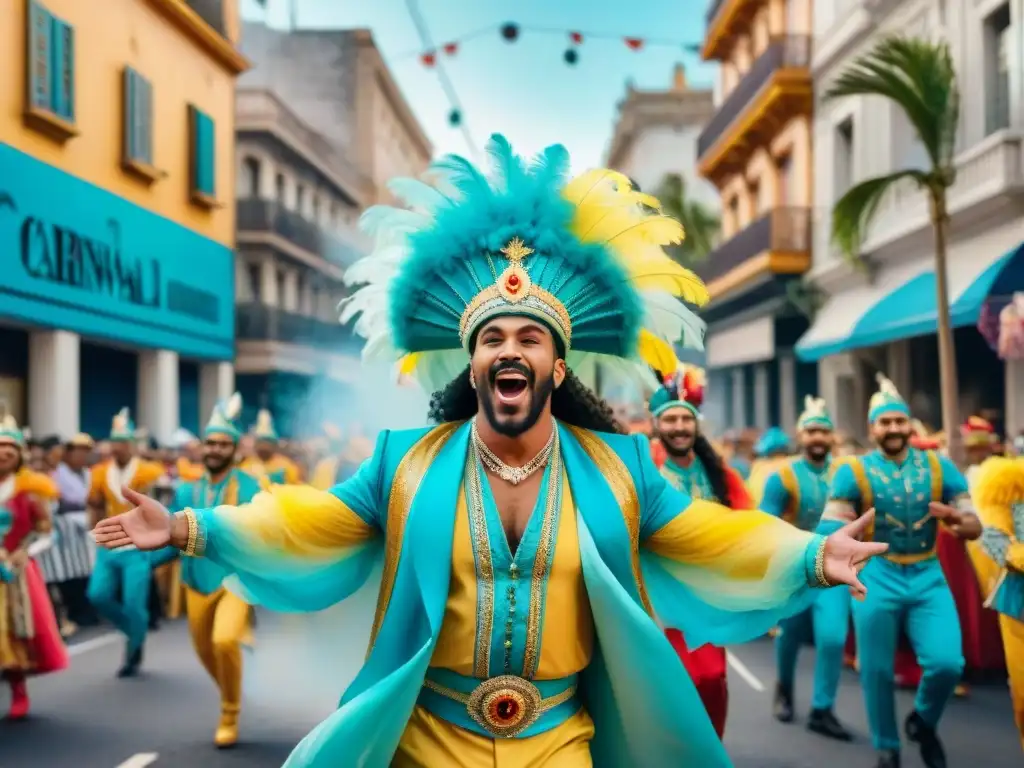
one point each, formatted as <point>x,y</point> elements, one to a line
<point>573,402</point>
<point>714,468</point>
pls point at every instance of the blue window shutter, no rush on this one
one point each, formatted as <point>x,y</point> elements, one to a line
<point>210,141</point>
<point>203,159</point>
<point>62,67</point>
<point>40,57</point>
<point>130,151</point>
<point>146,121</point>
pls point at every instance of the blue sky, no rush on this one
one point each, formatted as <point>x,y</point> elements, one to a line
<point>523,90</point>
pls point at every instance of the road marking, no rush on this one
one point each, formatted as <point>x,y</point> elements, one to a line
<point>92,644</point>
<point>140,760</point>
<point>741,669</point>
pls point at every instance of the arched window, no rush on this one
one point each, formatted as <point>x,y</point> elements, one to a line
<point>249,183</point>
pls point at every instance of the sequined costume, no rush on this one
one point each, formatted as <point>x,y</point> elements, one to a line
<point>906,587</point>
<point>30,641</point>
<point>797,493</point>
<point>548,656</point>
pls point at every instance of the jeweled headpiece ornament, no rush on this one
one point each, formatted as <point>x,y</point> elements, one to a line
<point>887,399</point>
<point>683,388</point>
<point>224,419</point>
<point>583,256</point>
<point>122,428</point>
<point>815,414</point>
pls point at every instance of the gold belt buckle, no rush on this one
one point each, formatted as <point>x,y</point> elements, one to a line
<point>505,706</point>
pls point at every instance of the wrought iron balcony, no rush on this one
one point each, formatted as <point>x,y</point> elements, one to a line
<point>258,322</point>
<point>785,52</point>
<point>257,215</point>
<point>212,12</point>
<point>782,230</point>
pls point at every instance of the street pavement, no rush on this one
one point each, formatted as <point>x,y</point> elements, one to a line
<point>85,718</point>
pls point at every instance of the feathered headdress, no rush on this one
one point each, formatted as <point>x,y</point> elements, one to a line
<point>9,432</point>
<point>683,388</point>
<point>264,429</point>
<point>886,399</point>
<point>977,432</point>
<point>815,414</point>
<point>585,257</point>
<point>224,419</point>
<point>121,427</point>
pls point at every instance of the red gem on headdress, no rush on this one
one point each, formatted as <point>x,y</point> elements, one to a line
<point>513,283</point>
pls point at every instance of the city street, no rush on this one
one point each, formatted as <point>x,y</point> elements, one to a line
<point>87,719</point>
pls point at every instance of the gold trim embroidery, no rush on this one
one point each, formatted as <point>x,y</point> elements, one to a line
<point>410,472</point>
<point>542,562</point>
<point>484,565</point>
<point>624,490</point>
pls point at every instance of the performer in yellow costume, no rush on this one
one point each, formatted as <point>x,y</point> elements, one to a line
<point>269,465</point>
<point>999,559</point>
<point>125,573</point>
<point>218,620</point>
<point>527,543</point>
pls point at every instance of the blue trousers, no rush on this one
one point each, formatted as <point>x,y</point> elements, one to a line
<point>917,598</point>
<point>127,572</point>
<point>829,618</point>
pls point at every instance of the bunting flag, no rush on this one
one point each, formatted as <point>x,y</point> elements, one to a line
<point>511,32</point>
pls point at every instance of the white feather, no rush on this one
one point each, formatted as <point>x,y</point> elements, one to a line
<point>418,195</point>
<point>233,407</point>
<point>670,319</point>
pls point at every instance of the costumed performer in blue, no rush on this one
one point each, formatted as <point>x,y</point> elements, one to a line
<point>797,493</point>
<point>912,491</point>
<point>527,547</point>
<point>218,620</point>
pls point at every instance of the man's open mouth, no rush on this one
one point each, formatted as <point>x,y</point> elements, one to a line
<point>510,386</point>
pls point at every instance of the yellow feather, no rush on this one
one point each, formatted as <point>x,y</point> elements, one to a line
<point>596,180</point>
<point>656,352</point>
<point>1000,482</point>
<point>407,364</point>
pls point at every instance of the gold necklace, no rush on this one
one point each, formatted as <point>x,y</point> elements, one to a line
<point>513,475</point>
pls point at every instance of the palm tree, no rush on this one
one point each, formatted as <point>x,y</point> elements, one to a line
<point>919,77</point>
<point>701,224</point>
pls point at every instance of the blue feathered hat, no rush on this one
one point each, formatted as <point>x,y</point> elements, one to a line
<point>886,400</point>
<point>584,256</point>
<point>683,388</point>
<point>122,428</point>
<point>815,414</point>
<point>224,419</point>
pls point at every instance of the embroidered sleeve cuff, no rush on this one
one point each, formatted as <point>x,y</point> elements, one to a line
<point>196,543</point>
<point>814,559</point>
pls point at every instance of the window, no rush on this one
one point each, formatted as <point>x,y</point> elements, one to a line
<point>51,72</point>
<point>997,70</point>
<point>316,208</point>
<point>138,120</point>
<point>255,281</point>
<point>842,178</point>
<point>300,198</point>
<point>279,190</point>
<point>249,183</point>
<point>203,159</point>
<point>784,166</point>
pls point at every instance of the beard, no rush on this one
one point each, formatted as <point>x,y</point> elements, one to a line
<point>217,464</point>
<point>893,443</point>
<point>507,424</point>
<point>816,452</point>
<point>677,452</point>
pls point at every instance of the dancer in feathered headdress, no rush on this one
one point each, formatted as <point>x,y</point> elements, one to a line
<point>495,289</point>
<point>797,493</point>
<point>218,620</point>
<point>25,532</point>
<point>269,464</point>
<point>694,466</point>
<point>913,492</point>
<point>120,581</point>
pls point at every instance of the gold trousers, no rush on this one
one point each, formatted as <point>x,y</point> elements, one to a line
<point>219,624</point>
<point>1013,645</point>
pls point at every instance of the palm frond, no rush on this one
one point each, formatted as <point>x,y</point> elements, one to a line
<point>700,224</point>
<point>919,76</point>
<point>853,213</point>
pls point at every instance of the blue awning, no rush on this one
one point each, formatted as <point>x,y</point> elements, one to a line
<point>909,309</point>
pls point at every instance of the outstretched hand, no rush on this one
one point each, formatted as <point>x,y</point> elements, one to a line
<point>147,525</point>
<point>846,555</point>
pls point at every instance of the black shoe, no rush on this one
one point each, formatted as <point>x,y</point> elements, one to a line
<point>782,707</point>
<point>130,668</point>
<point>888,758</point>
<point>824,722</point>
<point>917,730</point>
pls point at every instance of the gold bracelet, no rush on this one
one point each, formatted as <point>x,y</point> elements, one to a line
<point>193,532</point>
<point>819,567</point>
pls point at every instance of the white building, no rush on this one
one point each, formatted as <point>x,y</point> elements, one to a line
<point>884,319</point>
<point>321,127</point>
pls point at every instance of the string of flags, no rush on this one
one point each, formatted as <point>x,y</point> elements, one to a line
<point>510,32</point>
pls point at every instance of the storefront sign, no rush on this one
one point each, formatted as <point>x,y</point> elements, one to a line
<point>75,257</point>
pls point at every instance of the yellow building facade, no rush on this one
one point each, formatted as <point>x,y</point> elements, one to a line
<point>756,150</point>
<point>117,169</point>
